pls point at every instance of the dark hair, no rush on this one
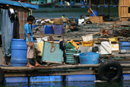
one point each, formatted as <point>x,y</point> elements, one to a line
<point>30,18</point>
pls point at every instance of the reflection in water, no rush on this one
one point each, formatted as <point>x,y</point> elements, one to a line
<point>69,84</point>
<point>70,12</point>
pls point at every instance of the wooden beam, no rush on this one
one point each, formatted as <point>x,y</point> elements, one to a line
<point>50,67</point>
<point>56,67</point>
<point>48,73</point>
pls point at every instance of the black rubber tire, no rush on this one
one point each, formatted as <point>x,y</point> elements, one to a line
<point>88,22</point>
<point>108,64</point>
<point>2,77</point>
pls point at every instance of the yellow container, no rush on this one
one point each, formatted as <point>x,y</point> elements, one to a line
<point>74,44</point>
<point>115,47</point>
<point>113,39</point>
<point>87,43</point>
<point>40,47</point>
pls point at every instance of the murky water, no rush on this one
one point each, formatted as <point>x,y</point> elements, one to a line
<point>69,84</point>
<point>70,12</point>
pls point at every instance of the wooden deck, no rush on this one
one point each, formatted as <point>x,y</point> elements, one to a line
<point>57,70</point>
<point>57,67</point>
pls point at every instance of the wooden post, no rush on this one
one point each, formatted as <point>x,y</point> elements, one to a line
<point>89,7</point>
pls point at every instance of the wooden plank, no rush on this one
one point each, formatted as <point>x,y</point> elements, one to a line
<point>56,67</point>
<point>50,67</point>
<point>122,55</point>
<point>48,73</point>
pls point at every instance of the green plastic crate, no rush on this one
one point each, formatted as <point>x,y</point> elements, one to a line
<point>70,59</point>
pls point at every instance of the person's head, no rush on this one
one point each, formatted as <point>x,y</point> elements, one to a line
<point>30,19</point>
<point>81,16</point>
<point>63,15</point>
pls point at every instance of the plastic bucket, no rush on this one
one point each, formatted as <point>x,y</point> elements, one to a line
<point>95,12</point>
<point>48,29</point>
<point>89,58</point>
<point>18,53</point>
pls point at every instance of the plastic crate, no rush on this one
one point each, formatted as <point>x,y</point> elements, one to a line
<point>16,79</point>
<point>80,78</point>
<point>70,56</point>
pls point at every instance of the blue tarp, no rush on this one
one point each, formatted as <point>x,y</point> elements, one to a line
<point>14,3</point>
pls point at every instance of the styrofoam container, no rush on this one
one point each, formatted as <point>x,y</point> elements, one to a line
<point>87,38</point>
<point>80,78</point>
<point>15,79</point>
<point>105,47</point>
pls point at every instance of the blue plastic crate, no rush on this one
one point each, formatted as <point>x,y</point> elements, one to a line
<point>70,56</point>
<point>80,78</point>
<point>16,79</point>
<point>40,79</point>
<point>126,77</point>
<point>45,78</point>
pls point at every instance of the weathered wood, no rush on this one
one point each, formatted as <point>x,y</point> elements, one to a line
<point>57,67</point>
<point>50,67</point>
<point>47,73</point>
<point>122,55</point>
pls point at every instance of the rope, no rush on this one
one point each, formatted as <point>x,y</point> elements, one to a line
<point>25,7</point>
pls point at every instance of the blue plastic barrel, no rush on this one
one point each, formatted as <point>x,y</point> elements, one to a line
<point>34,26</point>
<point>48,29</point>
<point>89,58</point>
<point>124,44</point>
<point>72,3</point>
<point>18,53</point>
<point>95,12</point>
<point>61,3</point>
<point>125,48</point>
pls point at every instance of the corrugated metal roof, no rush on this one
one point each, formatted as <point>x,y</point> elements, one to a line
<point>14,3</point>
